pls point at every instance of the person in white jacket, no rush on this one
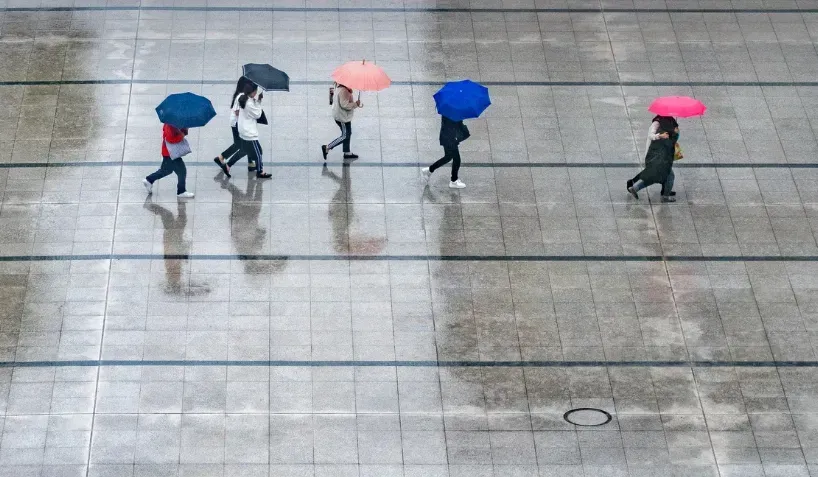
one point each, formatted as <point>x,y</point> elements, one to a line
<point>232,154</point>
<point>249,112</point>
<point>343,107</point>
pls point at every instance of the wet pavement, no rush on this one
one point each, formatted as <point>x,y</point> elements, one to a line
<point>346,320</point>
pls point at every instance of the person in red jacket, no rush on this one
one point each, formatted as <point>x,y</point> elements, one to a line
<point>171,135</point>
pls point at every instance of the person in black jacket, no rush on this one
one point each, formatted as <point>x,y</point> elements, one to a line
<point>659,163</point>
<point>452,133</point>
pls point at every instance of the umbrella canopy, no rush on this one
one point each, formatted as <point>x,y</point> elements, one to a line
<point>362,76</point>
<point>677,106</point>
<point>267,77</point>
<point>185,110</point>
<point>461,100</point>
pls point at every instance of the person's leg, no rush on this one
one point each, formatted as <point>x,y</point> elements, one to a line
<point>442,161</point>
<point>340,139</point>
<point>181,173</point>
<point>348,137</point>
<point>667,186</point>
<point>164,170</point>
<point>671,179</point>
<point>259,154</point>
<point>249,150</point>
<point>632,181</point>
<point>240,150</point>
<point>234,148</point>
<point>639,185</point>
<point>454,153</point>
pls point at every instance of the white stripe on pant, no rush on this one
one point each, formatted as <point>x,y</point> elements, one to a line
<point>253,148</point>
<point>345,130</point>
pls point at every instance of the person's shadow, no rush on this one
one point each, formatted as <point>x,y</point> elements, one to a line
<point>247,234</point>
<point>175,248</point>
<point>341,215</point>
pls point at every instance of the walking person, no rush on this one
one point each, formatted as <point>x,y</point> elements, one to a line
<point>250,111</point>
<point>233,153</point>
<point>452,133</point>
<point>174,146</point>
<point>343,108</point>
<point>653,134</point>
<point>659,161</point>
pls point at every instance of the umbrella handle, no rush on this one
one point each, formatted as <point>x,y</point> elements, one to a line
<point>359,95</point>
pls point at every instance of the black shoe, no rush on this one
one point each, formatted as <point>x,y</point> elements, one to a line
<point>633,192</point>
<point>349,155</point>
<point>263,175</point>
<point>667,198</point>
<point>223,166</point>
<point>324,151</point>
<point>629,184</point>
<point>672,193</point>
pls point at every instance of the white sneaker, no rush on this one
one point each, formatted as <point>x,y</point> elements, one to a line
<point>458,184</point>
<point>426,174</point>
<point>148,186</point>
<point>185,195</point>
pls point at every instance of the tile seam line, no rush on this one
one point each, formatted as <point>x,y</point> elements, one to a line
<point>498,165</point>
<point>403,9</point>
<point>409,363</point>
<point>436,258</point>
<point>402,83</point>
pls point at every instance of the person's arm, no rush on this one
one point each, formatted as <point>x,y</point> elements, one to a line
<point>653,133</point>
<point>464,132</point>
<point>253,108</point>
<point>345,99</point>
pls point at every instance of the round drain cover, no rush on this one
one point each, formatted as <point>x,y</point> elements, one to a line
<point>587,416</point>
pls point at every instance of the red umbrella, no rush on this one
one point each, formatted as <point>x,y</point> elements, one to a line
<point>677,106</point>
<point>362,76</point>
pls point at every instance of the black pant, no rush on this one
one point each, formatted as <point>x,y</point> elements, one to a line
<point>345,137</point>
<point>168,167</point>
<point>235,152</point>
<point>450,153</point>
<point>253,151</point>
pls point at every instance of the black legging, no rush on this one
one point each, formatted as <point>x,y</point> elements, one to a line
<point>235,151</point>
<point>449,154</point>
<point>345,137</point>
<point>253,151</point>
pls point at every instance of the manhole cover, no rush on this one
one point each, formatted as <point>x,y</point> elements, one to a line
<point>587,416</point>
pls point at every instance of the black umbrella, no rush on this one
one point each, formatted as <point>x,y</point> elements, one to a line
<point>267,77</point>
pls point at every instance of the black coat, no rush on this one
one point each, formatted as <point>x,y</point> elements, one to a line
<point>452,133</point>
<point>659,160</point>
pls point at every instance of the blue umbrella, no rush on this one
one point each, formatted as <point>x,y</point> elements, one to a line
<point>461,100</point>
<point>186,110</point>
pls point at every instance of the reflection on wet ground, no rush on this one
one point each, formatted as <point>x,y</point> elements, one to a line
<point>346,319</point>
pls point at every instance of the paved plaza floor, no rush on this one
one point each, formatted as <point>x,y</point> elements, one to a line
<point>345,319</point>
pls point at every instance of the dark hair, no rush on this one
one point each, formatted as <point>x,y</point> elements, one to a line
<point>239,88</point>
<point>667,124</point>
<point>248,88</point>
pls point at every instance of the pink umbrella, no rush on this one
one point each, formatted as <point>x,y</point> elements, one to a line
<point>677,106</point>
<point>362,76</point>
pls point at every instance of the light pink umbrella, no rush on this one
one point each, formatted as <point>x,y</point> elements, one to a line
<point>362,76</point>
<point>677,106</point>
